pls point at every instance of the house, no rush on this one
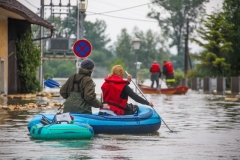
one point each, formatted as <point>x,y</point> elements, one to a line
<point>15,20</point>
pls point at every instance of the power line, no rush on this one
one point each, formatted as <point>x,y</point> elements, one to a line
<point>122,17</point>
<point>124,8</point>
<point>32,4</point>
<point>104,13</point>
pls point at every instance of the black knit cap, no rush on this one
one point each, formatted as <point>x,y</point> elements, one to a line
<point>87,64</point>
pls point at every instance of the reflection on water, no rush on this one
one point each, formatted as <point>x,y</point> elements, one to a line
<point>207,128</point>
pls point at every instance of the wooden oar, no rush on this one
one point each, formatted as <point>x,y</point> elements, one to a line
<point>147,100</point>
<point>160,85</point>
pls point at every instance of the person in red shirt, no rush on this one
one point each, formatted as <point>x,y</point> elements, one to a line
<point>115,91</point>
<point>168,71</point>
<point>155,73</point>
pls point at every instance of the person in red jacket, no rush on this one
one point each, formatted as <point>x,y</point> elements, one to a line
<point>115,91</point>
<point>155,73</point>
<point>168,71</point>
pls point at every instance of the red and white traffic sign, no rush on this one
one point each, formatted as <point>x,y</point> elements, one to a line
<point>82,48</point>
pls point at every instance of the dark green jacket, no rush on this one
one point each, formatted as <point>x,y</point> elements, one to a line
<point>81,100</point>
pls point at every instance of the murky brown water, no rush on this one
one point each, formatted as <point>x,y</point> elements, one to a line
<point>206,127</point>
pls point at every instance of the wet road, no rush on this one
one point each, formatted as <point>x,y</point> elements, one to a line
<point>205,127</point>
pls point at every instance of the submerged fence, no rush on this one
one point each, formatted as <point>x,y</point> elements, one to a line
<point>208,85</point>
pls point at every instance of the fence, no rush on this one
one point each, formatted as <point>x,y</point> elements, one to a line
<point>218,84</point>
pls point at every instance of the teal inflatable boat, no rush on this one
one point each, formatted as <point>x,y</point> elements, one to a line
<point>62,131</point>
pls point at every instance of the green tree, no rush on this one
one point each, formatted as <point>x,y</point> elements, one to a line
<point>123,50</point>
<point>153,47</point>
<point>174,24</point>
<point>214,58</point>
<point>119,61</point>
<point>102,61</point>
<point>95,33</point>
<point>231,11</point>
<point>59,68</point>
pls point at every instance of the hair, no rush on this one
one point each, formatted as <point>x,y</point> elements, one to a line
<point>117,70</point>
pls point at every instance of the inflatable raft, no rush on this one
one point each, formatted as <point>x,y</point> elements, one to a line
<point>62,131</point>
<point>145,121</point>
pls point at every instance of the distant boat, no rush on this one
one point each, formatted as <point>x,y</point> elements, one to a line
<point>177,90</point>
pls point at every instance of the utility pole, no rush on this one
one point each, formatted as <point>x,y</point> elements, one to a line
<point>186,51</point>
<point>41,45</point>
<point>187,57</point>
<point>77,33</point>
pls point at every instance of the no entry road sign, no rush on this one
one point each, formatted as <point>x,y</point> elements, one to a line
<point>82,48</point>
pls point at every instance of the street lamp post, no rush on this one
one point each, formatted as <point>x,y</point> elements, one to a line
<point>81,9</point>
<point>136,46</point>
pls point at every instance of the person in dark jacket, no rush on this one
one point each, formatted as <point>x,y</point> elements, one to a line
<point>168,71</point>
<point>155,73</point>
<point>116,91</point>
<point>79,91</point>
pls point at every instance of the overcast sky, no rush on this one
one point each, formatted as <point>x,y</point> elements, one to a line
<point>128,13</point>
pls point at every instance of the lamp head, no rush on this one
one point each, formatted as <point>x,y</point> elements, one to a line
<point>136,43</point>
<point>82,5</point>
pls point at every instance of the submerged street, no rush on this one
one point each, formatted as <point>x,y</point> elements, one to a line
<point>205,127</point>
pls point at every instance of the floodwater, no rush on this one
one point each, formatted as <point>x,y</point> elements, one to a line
<point>204,126</point>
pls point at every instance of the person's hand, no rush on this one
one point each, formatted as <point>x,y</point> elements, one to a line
<point>129,78</point>
<point>106,106</point>
<point>151,104</point>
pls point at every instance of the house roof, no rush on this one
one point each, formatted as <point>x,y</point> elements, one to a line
<point>14,9</point>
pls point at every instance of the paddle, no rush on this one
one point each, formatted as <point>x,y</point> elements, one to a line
<point>159,87</point>
<point>51,83</point>
<point>147,100</point>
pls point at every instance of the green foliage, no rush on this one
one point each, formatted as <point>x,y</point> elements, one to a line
<point>123,50</point>
<point>178,75</point>
<point>214,59</point>
<point>48,76</point>
<point>101,58</point>
<point>174,25</point>
<point>119,61</point>
<point>59,68</point>
<point>153,47</point>
<point>95,33</point>
<point>29,59</point>
<point>193,73</point>
<point>231,11</point>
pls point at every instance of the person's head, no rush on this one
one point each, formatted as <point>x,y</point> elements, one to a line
<point>154,61</point>
<point>117,70</point>
<point>164,61</point>
<point>87,64</point>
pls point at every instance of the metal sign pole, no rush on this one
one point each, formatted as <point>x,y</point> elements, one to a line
<point>77,32</point>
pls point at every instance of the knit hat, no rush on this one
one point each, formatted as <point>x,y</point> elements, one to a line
<point>87,64</point>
